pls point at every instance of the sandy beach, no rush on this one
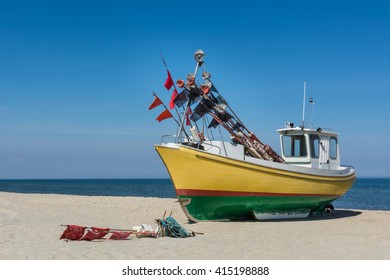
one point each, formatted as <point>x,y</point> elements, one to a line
<point>31,226</point>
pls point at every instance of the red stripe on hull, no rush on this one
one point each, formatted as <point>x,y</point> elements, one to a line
<point>188,192</point>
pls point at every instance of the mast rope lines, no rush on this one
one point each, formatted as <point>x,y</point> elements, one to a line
<point>217,109</point>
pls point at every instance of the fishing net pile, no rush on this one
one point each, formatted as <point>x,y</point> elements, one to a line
<point>165,227</point>
<point>170,227</point>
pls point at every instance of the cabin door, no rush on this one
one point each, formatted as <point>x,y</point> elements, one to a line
<point>324,154</point>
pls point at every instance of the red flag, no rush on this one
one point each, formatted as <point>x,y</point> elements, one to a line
<point>155,103</point>
<point>171,103</point>
<point>95,233</point>
<point>120,235</point>
<point>101,232</point>
<point>164,115</point>
<point>73,232</point>
<point>169,82</point>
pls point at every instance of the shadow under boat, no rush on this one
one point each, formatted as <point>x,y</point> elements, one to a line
<point>335,214</point>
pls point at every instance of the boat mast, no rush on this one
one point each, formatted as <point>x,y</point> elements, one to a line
<point>199,56</point>
<point>304,103</point>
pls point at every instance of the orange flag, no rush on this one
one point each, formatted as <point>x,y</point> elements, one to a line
<point>155,103</point>
<point>164,115</point>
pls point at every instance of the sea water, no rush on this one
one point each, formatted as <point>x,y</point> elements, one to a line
<point>365,194</point>
<point>93,187</point>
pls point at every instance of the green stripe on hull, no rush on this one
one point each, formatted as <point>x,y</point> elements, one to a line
<point>241,207</point>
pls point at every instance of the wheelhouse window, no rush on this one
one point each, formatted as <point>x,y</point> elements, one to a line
<point>333,148</point>
<point>294,146</point>
<point>314,146</point>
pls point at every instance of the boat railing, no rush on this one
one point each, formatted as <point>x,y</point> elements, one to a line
<point>177,139</point>
<point>211,145</point>
<point>173,136</point>
<point>206,145</point>
<point>347,167</point>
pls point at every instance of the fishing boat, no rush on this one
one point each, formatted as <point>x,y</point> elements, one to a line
<point>241,177</point>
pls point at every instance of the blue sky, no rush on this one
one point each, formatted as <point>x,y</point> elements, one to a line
<point>76,78</point>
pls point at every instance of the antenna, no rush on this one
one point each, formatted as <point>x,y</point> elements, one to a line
<point>311,102</point>
<point>304,103</point>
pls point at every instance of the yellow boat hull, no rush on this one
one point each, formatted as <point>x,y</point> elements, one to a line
<point>212,187</point>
